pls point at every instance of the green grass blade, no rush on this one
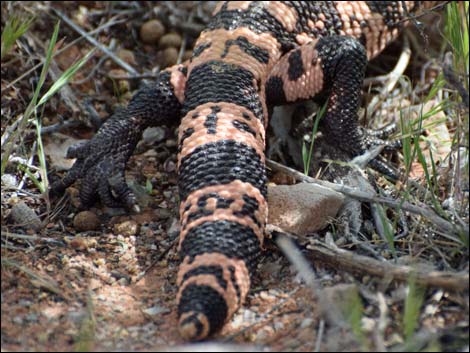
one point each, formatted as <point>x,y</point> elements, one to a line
<point>307,156</point>
<point>388,229</point>
<point>14,28</point>
<point>65,77</point>
<point>413,302</point>
<point>32,105</point>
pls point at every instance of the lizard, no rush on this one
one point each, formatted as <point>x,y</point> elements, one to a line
<point>252,56</point>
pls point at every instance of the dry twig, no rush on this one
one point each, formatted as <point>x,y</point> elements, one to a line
<point>97,44</point>
<point>351,262</point>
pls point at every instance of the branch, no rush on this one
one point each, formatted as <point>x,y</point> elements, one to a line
<point>351,262</point>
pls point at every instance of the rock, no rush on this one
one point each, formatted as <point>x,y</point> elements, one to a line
<point>86,221</point>
<point>9,181</point>
<point>156,310</point>
<point>170,40</point>
<point>127,228</point>
<point>308,322</point>
<point>151,31</point>
<point>127,56</point>
<point>302,208</point>
<point>25,216</point>
<point>153,135</point>
<point>187,55</point>
<point>168,57</point>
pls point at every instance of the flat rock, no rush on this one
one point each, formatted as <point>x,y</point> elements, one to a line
<point>302,208</point>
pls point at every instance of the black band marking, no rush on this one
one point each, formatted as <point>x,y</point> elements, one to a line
<point>216,81</point>
<point>242,126</point>
<point>231,239</point>
<point>251,49</point>
<point>221,162</point>
<point>205,300</point>
<point>215,271</point>
<point>275,94</point>
<point>296,66</point>
<point>199,49</point>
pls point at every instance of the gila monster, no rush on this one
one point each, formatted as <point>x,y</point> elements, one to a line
<point>253,56</point>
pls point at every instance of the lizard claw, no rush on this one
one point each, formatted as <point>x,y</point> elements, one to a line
<point>101,168</point>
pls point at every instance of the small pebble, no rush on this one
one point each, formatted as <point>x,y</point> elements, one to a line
<point>306,323</point>
<point>156,310</point>
<point>86,221</point>
<point>25,216</point>
<point>76,317</point>
<point>127,56</point>
<point>123,281</point>
<point>171,143</point>
<point>94,284</point>
<point>169,57</point>
<point>151,31</point>
<point>170,40</point>
<point>154,135</point>
<point>18,320</point>
<point>127,228</point>
<point>78,243</point>
<point>187,55</point>
<point>9,181</point>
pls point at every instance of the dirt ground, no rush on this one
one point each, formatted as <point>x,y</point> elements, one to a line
<point>104,280</point>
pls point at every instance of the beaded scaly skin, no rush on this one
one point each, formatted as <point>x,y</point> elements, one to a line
<point>252,56</point>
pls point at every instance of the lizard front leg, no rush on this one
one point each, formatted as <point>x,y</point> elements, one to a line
<point>101,161</point>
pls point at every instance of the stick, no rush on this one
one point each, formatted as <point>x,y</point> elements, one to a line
<point>351,262</point>
<point>93,41</point>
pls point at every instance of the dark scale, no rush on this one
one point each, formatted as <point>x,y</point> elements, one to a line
<point>257,19</point>
<point>251,49</point>
<point>211,120</point>
<point>183,70</point>
<point>199,49</point>
<point>296,66</point>
<point>311,10</point>
<point>275,94</point>
<point>234,281</point>
<point>215,81</point>
<point>216,271</point>
<point>249,208</point>
<point>219,163</point>
<point>242,126</point>
<point>234,240</point>
<point>223,202</point>
<point>186,133</point>
<point>202,211</point>
<point>389,11</point>
<point>246,116</point>
<point>206,300</point>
